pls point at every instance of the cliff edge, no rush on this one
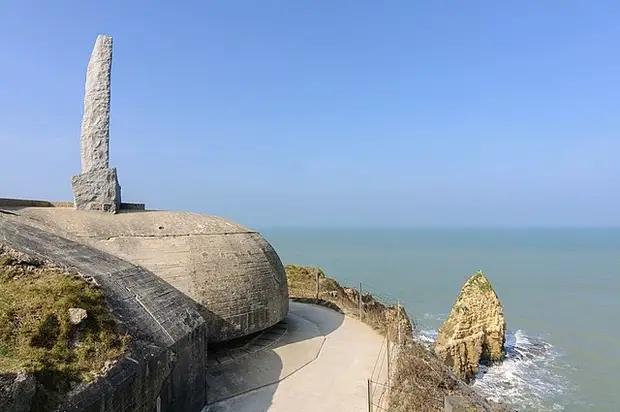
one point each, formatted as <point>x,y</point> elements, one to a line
<point>420,381</point>
<point>309,284</point>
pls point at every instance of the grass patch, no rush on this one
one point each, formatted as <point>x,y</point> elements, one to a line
<point>480,281</point>
<point>37,336</point>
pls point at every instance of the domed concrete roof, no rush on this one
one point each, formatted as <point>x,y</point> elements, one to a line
<point>230,270</point>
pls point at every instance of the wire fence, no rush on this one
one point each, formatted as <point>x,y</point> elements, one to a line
<point>351,298</point>
<point>384,313</point>
<point>381,379</point>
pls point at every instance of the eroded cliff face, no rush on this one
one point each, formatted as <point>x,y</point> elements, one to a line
<point>475,331</point>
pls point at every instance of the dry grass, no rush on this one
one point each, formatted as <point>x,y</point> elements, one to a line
<point>35,332</point>
<point>302,288</point>
<point>420,381</point>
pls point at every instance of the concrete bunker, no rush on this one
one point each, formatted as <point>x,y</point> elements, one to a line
<point>233,273</point>
<point>228,269</point>
<point>203,278</point>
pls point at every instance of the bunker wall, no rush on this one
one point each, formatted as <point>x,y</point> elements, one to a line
<point>165,369</point>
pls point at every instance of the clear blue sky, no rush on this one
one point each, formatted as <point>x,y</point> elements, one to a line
<point>327,113</point>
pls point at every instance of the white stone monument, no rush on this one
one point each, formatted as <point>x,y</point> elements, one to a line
<point>97,188</point>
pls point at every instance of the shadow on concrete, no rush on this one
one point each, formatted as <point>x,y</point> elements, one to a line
<point>250,382</point>
<point>256,374</point>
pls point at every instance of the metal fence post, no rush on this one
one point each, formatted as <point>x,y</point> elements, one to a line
<point>388,358</point>
<point>398,319</point>
<point>360,301</point>
<point>369,395</point>
<point>317,286</point>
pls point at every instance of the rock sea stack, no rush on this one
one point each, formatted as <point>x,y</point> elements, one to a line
<point>475,331</point>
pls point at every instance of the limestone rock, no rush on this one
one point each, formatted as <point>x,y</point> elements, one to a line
<point>475,331</point>
<point>97,190</point>
<point>95,136</point>
<point>77,315</point>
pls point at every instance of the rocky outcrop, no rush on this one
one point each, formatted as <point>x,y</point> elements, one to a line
<point>421,381</point>
<point>475,331</point>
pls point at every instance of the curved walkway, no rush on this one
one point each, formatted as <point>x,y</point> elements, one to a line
<point>232,351</point>
<point>321,365</point>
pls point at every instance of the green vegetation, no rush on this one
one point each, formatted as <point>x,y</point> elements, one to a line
<point>480,281</point>
<point>36,334</point>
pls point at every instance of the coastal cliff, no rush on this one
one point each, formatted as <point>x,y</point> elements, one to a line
<point>475,331</point>
<point>421,380</point>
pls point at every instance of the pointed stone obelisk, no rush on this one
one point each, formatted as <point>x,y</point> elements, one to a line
<point>97,188</point>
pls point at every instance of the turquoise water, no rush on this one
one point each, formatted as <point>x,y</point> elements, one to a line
<point>560,289</point>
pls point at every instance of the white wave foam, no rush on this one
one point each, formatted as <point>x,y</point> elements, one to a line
<point>425,333</point>
<point>435,316</point>
<point>426,336</point>
<point>530,378</point>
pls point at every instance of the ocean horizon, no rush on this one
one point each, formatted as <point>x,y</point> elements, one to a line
<point>559,288</point>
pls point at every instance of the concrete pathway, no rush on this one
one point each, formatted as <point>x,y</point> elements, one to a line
<point>321,365</point>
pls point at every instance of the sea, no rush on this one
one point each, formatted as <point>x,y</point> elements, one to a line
<point>560,289</point>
